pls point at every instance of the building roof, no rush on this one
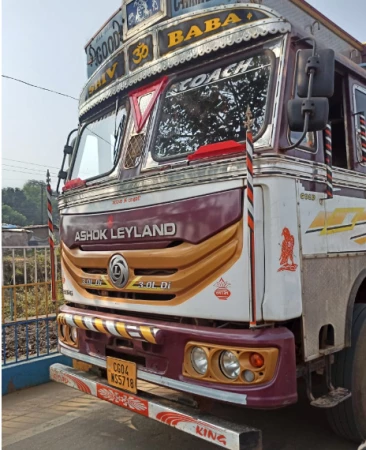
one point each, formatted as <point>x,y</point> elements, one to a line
<point>37,227</point>
<point>8,226</point>
<point>15,230</point>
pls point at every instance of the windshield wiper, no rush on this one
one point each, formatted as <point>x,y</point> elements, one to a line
<point>117,138</point>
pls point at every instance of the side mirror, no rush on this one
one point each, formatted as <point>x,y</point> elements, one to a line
<point>318,109</point>
<point>314,85</point>
<point>323,65</point>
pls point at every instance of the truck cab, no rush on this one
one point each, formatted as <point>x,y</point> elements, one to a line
<point>188,261</point>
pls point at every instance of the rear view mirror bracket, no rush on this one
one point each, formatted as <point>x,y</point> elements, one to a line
<point>303,112</point>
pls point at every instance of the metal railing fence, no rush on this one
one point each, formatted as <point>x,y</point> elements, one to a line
<point>29,328</point>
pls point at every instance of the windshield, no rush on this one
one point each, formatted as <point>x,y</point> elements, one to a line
<point>210,107</point>
<point>99,145</point>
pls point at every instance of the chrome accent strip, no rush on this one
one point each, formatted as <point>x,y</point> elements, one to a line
<point>85,358</point>
<point>109,204</point>
<point>70,321</point>
<point>155,331</point>
<point>214,172</point>
<point>89,323</point>
<point>239,399</point>
<point>111,328</point>
<point>244,33</point>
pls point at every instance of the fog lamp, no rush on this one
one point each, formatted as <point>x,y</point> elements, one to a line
<point>229,364</point>
<point>199,360</point>
<point>248,376</point>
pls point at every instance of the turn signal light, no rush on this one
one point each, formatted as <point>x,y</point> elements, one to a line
<point>256,360</point>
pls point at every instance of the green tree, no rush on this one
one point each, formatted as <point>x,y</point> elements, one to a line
<point>35,193</point>
<point>9,215</point>
<point>15,198</point>
<point>30,202</point>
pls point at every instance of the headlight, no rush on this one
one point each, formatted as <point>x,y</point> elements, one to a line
<point>74,335</point>
<point>199,360</point>
<point>229,364</point>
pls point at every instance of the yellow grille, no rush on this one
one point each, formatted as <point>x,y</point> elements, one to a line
<point>183,270</point>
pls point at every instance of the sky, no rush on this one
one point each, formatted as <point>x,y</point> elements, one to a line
<point>43,43</point>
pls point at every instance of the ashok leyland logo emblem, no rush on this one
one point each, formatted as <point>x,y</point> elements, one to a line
<point>118,271</point>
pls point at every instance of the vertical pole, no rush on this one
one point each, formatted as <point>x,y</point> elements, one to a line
<point>329,159</point>
<point>51,237</point>
<point>41,185</point>
<point>250,214</point>
<point>13,289</point>
<point>363,136</point>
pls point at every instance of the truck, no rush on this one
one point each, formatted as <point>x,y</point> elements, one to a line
<point>213,216</point>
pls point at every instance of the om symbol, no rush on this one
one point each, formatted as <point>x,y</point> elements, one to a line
<point>141,52</point>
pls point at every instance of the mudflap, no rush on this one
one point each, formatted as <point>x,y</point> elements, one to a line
<point>209,428</point>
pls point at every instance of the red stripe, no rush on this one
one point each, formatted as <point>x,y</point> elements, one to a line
<point>250,194</point>
<point>250,223</point>
<point>250,166</point>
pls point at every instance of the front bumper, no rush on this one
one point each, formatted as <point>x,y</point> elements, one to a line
<point>189,420</point>
<point>158,349</point>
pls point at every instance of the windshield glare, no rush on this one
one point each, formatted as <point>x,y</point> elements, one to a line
<point>99,145</point>
<point>210,107</point>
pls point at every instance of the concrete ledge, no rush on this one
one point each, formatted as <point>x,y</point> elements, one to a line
<point>30,373</point>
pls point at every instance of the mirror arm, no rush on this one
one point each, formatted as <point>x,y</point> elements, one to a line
<point>306,126</point>
<point>313,41</point>
<point>64,159</point>
<point>70,134</point>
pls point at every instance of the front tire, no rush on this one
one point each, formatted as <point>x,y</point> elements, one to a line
<point>348,419</point>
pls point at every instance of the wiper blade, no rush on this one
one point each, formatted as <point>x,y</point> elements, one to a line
<point>118,137</point>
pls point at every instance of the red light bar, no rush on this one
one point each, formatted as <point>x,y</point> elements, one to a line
<point>73,184</point>
<point>217,149</point>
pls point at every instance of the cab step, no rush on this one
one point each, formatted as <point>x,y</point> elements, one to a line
<point>333,398</point>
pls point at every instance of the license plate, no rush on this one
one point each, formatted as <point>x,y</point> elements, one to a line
<point>122,374</point>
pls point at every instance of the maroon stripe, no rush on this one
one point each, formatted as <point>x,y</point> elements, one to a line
<point>214,212</point>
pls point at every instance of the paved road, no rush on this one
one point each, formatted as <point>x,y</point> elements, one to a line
<point>56,417</point>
